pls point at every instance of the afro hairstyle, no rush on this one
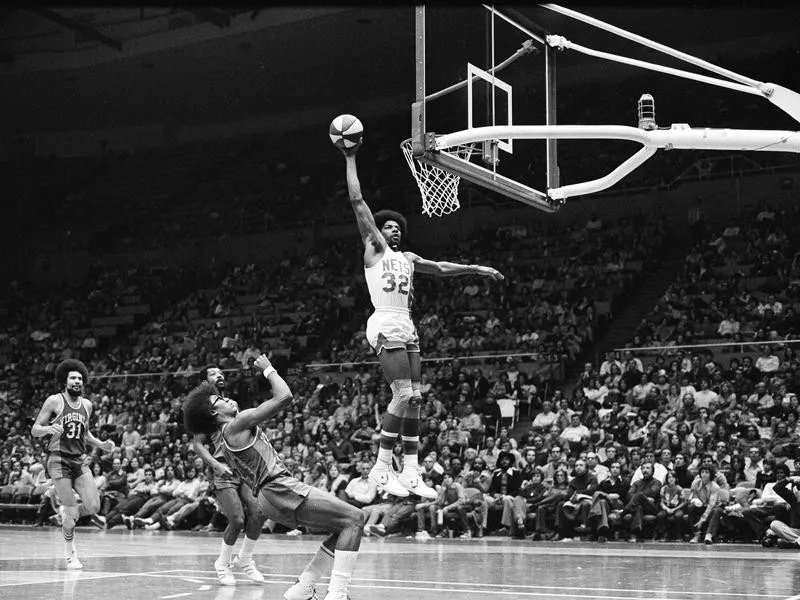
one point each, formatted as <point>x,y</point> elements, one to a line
<point>198,414</point>
<point>390,215</point>
<point>65,367</point>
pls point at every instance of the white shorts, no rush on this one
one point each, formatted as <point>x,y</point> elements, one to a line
<point>392,330</point>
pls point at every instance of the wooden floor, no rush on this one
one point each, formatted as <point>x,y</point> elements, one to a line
<point>123,565</point>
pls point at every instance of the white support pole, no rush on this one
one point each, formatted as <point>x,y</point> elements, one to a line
<point>561,42</point>
<point>654,45</point>
<point>603,183</point>
<point>677,137</point>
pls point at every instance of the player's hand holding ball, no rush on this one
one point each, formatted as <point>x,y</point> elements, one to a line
<point>347,134</point>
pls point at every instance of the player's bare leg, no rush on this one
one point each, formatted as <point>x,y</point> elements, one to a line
<point>323,511</point>
<point>69,516</point>
<point>230,505</point>
<point>409,431</point>
<point>397,371</point>
<point>254,521</point>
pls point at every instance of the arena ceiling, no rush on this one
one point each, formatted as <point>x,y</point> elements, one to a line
<point>65,69</point>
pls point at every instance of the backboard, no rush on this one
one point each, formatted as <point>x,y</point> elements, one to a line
<point>482,66</point>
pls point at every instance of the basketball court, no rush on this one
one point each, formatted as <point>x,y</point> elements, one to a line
<point>121,564</point>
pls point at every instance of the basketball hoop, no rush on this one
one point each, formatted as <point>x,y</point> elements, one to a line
<point>439,188</point>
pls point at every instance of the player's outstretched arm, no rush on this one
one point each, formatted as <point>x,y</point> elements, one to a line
<point>447,269</point>
<point>198,443</point>
<point>281,398</point>
<point>41,426</point>
<point>366,222</point>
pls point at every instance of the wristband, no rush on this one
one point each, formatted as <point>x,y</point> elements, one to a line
<point>269,371</point>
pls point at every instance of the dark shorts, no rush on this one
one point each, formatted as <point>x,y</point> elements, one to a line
<point>61,466</point>
<point>222,482</point>
<point>278,499</point>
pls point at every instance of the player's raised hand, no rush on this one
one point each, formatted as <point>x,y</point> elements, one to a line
<point>348,152</point>
<point>262,363</point>
<point>55,429</point>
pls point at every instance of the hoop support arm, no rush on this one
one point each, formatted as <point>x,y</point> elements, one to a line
<point>526,48</point>
<point>560,42</point>
<point>653,45</point>
<point>676,137</point>
<point>603,183</point>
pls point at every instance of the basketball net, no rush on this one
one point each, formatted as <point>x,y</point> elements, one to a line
<point>439,188</point>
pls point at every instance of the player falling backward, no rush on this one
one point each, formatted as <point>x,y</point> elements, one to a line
<point>391,332</point>
<point>235,499</point>
<point>280,496</point>
<point>65,418</point>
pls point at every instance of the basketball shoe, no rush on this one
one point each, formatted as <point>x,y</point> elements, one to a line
<point>224,573</point>
<point>73,563</point>
<point>413,483</point>
<point>386,479</point>
<point>248,568</point>
<point>300,591</point>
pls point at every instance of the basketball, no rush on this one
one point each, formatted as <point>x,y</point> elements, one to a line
<point>346,132</point>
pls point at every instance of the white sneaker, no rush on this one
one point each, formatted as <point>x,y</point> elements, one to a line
<point>224,574</point>
<point>294,532</point>
<point>249,569</point>
<point>300,591</point>
<point>386,480</point>
<point>153,526</point>
<point>414,484</point>
<point>423,535</point>
<point>72,561</point>
<point>337,596</point>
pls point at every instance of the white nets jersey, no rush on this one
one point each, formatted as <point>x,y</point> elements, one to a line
<point>389,281</point>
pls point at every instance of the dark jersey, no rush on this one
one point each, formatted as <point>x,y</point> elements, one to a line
<point>257,462</point>
<point>75,421</point>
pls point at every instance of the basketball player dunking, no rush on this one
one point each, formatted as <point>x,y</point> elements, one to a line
<point>235,500</point>
<point>392,334</point>
<point>65,418</point>
<point>280,496</point>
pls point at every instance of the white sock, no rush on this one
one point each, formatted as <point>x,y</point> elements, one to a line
<point>411,461</point>
<point>246,553</point>
<point>320,564</point>
<point>225,553</point>
<point>384,458</point>
<point>343,563</point>
<point>69,547</point>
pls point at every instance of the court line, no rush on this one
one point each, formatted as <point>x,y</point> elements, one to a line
<point>534,587</point>
<point>475,588</point>
<point>176,595</point>
<point>472,591</point>
<point>86,576</point>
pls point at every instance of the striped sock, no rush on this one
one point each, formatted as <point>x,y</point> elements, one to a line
<point>320,564</point>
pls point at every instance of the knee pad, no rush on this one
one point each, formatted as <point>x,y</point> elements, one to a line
<point>398,405</point>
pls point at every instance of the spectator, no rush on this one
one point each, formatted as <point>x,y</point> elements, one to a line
<point>643,499</point>
<point>504,493</point>
<point>361,492</point>
<point>704,507</point>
